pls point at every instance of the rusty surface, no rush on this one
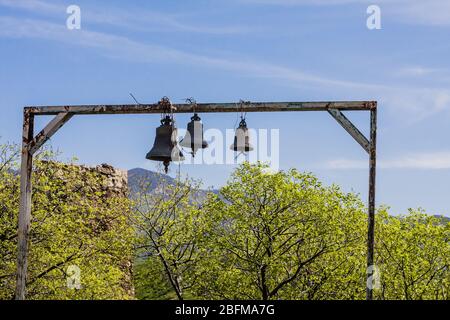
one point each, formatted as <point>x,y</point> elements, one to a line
<point>24,207</point>
<point>372,188</point>
<point>350,128</point>
<point>50,129</point>
<point>203,107</point>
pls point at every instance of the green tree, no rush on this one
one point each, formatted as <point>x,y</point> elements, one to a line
<point>171,229</point>
<point>413,256</point>
<point>264,235</point>
<point>9,191</point>
<point>74,223</point>
<point>283,236</point>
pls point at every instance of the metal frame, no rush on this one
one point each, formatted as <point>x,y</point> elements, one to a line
<point>31,144</point>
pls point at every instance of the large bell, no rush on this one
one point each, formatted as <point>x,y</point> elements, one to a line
<point>194,135</point>
<point>242,138</point>
<point>165,148</point>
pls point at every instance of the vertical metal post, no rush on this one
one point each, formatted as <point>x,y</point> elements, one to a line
<point>371,213</point>
<point>25,205</point>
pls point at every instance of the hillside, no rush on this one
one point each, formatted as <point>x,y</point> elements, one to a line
<point>139,176</point>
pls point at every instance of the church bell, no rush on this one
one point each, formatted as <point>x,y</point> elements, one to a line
<point>194,135</point>
<point>242,138</point>
<point>165,148</point>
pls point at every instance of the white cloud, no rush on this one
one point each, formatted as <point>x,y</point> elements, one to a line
<point>155,21</point>
<point>125,48</point>
<point>345,164</point>
<point>424,161</point>
<point>33,5</point>
<point>415,104</point>
<point>414,12</point>
<point>142,20</point>
<point>305,2</point>
<point>430,12</point>
<point>417,71</point>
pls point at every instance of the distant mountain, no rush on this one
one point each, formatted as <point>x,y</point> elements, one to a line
<point>444,219</point>
<point>138,176</point>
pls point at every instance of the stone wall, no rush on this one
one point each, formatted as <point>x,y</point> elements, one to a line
<point>116,180</point>
<point>116,185</point>
<point>113,183</point>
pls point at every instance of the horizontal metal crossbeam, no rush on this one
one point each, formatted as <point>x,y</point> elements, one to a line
<point>205,107</point>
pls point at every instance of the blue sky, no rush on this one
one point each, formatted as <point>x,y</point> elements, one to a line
<point>257,50</point>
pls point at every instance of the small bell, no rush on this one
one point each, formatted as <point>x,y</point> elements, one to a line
<point>194,135</point>
<point>165,147</point>
<point>242,138</point>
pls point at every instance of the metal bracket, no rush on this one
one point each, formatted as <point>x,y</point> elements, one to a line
<point>49,130</point>
<point>350,128</point>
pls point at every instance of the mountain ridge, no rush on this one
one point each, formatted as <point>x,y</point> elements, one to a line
<point>137,176</point>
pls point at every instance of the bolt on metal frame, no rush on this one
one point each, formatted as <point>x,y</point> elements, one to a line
<point>31,144</point>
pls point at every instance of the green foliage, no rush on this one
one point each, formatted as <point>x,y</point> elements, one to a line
<point>151,280</point>
<point>73,223</point>
<point>9,199</point>
<point>265,235</point>
<point>171,228</point>
<point>284,236</point>
<point>413,254</point>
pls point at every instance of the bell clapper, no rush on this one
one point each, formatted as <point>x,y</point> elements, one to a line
<point>166,164</point>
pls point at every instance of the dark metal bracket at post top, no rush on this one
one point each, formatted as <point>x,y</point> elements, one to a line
<point>31,144</point>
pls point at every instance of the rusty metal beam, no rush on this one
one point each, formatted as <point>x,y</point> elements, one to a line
<point>24,206</point>
<point>350,128</point>
<point>205,107</point>
<point>49,130</point>
<point>371,213</point>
